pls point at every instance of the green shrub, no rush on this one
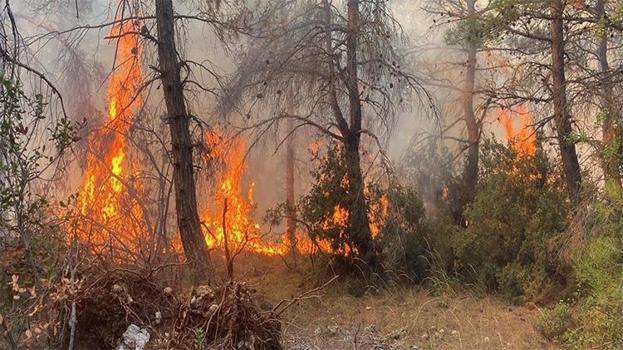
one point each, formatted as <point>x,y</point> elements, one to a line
<point>556,321</point>
<point>599,309</point>
<point>597,263</point>
<point>402,237</point>
<point>515,218</point>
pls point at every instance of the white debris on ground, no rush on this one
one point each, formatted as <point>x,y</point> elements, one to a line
<point>134,338</point>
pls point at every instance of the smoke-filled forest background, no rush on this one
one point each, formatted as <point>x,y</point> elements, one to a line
<point>311,174</point>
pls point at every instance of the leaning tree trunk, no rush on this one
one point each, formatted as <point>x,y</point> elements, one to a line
<point>611,143</point>
<point>358,221</point>
<point>195,247</point>
<point>571,166</point>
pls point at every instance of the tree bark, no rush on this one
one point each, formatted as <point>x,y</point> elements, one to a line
<point>571,165</point>
<point>470,175</point>
<point>290,195</point>
<point>195,247</point>
<point>611,144</point>
<point>358,221</point>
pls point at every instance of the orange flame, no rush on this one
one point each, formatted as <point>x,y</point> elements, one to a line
<point>378,217</point>
<point>522,140</point>
<point>242,232</point>
<point>115,217</point>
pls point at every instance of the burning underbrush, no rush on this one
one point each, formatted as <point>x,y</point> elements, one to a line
<point>107,303</point>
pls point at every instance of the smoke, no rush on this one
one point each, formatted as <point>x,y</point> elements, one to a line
<point>80,62</point>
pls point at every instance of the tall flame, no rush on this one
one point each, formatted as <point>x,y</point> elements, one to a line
<point>115,217</point>
<point>232,202</point>
<point>523,139</point>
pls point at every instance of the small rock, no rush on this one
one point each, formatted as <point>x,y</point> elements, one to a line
<point>117,288</point>
<point>486,339</point>
<point>368,307</point>
<point>134,338</point>
<point>168,290</point>
<point>158,317</point>
<point>454,332</point>
<point>332,330</point>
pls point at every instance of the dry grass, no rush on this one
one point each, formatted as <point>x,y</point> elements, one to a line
<point>397,320</point>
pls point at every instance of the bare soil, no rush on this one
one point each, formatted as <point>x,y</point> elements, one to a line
<point>406,318</point>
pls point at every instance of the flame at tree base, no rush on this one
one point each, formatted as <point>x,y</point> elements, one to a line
<point>231,213</point>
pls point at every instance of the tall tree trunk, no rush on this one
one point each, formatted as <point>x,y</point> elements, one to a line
<point>611,143</point>
<point>195,247</point>
<point>571,166</point>
<point>358,221</point>
<point>290,195</point>
<point>470,175</point>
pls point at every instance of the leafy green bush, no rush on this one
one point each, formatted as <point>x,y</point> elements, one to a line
<point>597,262</point>
<point>325,207</point>
<point>403,235</point>
<point>32,245</point>
<point>515,218</point>
<point>396,215</point>
<point>556,321</point>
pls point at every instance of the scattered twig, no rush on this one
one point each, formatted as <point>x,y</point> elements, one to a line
<point>7,334</point>
<point>287,303</point>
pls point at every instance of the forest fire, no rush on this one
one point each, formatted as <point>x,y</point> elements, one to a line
<point>522,139</point>
<point>378,216</point>
<point>113,218</point>
<point>231,216</point>
<point>281,186</point>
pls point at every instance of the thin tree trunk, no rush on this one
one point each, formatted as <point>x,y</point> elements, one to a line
<point>228,257</point>
<point>290,195</point>
<point>358,221</point>
<point>571,165</point>
<point>611,144</point>
<point>195,247</point>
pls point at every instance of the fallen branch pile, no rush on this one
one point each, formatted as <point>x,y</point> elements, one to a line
<point>227,317</point>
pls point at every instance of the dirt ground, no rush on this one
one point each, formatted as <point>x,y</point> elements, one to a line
<point>403,319</point>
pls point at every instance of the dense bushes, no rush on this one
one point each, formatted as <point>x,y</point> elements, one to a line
<point>512,227</point>
<point>396,215</point>
<point>595,306</point>
<point>32,246</point>
<point>522,238</point>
